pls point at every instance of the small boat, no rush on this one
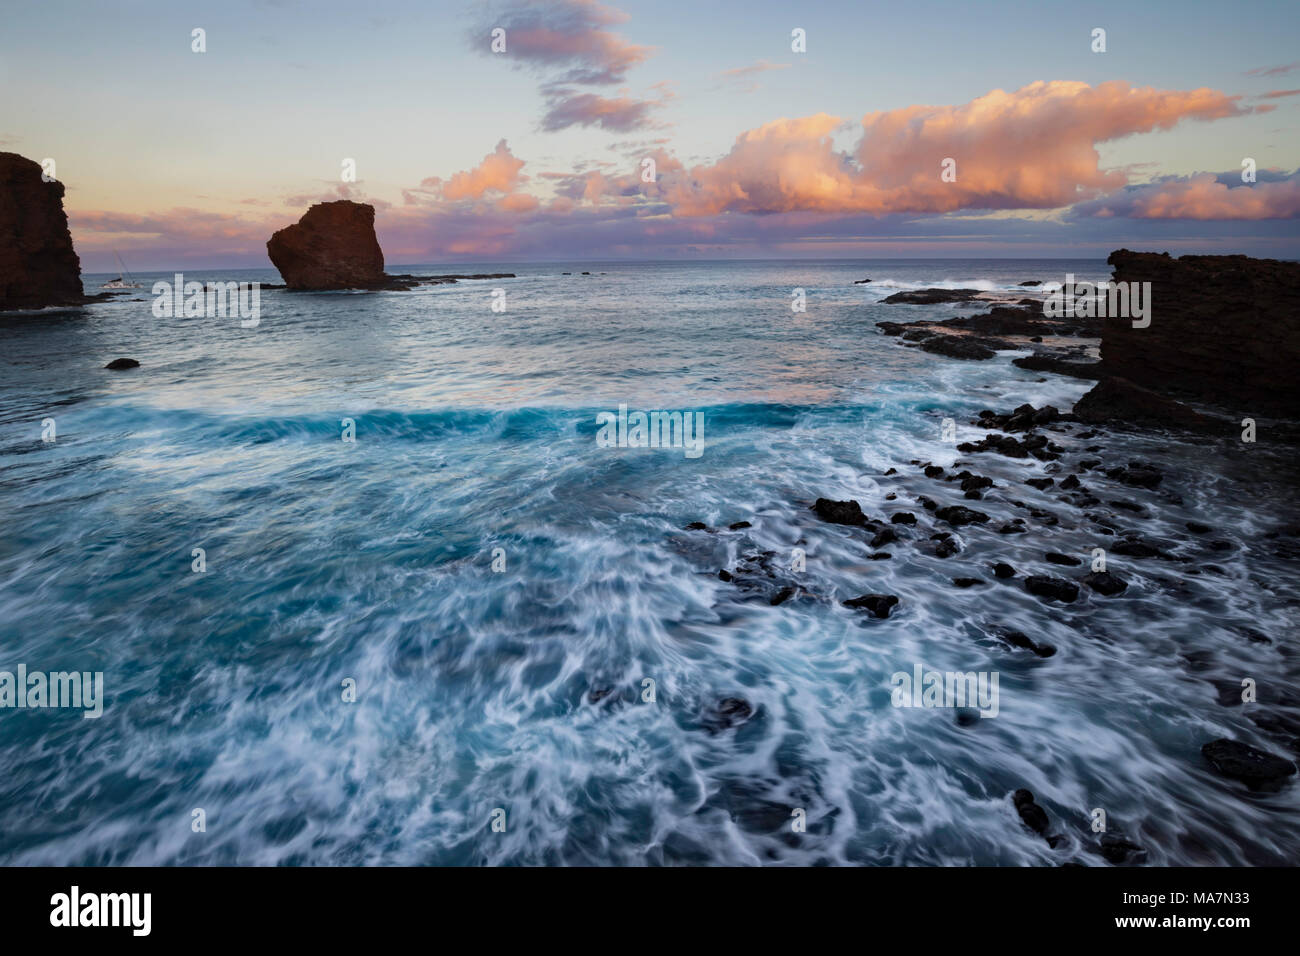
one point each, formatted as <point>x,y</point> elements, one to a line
<point>120,283</point>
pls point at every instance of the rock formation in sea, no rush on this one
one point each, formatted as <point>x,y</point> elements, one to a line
<point>1223,330</point>
<point>333,246</point>
<point>38,266</point>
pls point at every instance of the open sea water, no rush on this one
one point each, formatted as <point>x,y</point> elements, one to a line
<point>523,690</point>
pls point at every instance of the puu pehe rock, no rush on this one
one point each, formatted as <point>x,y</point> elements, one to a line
<point>38,266</point>
<point>333,246</point>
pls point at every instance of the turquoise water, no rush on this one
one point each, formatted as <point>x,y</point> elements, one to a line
<point>372,561</point>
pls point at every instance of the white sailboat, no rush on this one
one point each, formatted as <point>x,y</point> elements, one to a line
<point>120,283</point>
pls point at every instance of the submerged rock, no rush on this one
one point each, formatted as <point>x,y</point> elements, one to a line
<point>121,363</point>
<point>958,515</point>
<point>1103,582</point>
<point>878,604</point>
<point>1055,589</point>
<point>727,713</point>
<point>1017,639</point>
<point>1256,768</point>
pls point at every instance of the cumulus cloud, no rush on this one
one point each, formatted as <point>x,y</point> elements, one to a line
<point>498,172</point>
<point>1034,148</point>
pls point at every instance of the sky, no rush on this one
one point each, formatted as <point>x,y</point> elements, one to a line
<point>177,158</point>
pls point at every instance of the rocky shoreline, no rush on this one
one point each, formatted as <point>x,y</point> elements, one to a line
<point>1052,470</point>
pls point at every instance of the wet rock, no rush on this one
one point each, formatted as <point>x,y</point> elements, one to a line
<point>1042,484</point>
<point>783,595</point>
<point>738,525</point>
<point>881,605</point>
<point>1012,528</point>
<point>966,582</point>
<point>725,575</point>
<point>933,471</point>
<point>1105,583</point>
<point>1057,558</point>
<point>932,296</point>
<point>727,713</point>
<point>840,512</point>
<point>697,526</point>
<point>929,504</point>
<point>1118,850</point>
<point>1052,589</point>
<point>975,482</point>
<point>861,281</point>
<point>121,363</point>
<point>1137,473</point>
<point>1022,641</point>
<point>1118,401</point>
<point>1256,768</point>
<point>946,547</point>
<point>958,515</point>
<point>1195,527</point>
<point>1070,483</point>
<point>1042,362</point>
<point>881,556</point>
<point>1131,548</point>
<point>963,347</point>
<point>1004,571</point>
<point>883,537</point>
<point>903,517</point>
<point>1031,814</point>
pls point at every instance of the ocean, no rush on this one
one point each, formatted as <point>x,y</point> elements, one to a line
<point>476,635</point>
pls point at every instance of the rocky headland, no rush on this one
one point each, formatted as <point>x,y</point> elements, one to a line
<point>38,265</point>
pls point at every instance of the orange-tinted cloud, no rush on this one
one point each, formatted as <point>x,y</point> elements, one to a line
<point>1034,148</point>
<point>499,172</point>
<point>1206,196</point>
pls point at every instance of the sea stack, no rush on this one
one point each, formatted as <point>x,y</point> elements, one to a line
<point>38,266</point>
<point>1223,330</point>
<point>333,246</point>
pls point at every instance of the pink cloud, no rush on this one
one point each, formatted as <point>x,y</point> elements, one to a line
<point>1205,196</point>
<point>1034,148</point>
<point>499,172</point>
<point>569,33</point>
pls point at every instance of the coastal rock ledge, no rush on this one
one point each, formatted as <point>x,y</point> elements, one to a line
<point>1224,330</point>
<point>38,266</point>
<point>333,246</point>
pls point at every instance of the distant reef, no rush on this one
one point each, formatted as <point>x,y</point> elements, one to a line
<point>38,266</point>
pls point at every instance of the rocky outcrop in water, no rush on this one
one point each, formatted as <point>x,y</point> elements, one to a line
<point>333,246</point>
<point>38,266</point>
<point>1223,330</point>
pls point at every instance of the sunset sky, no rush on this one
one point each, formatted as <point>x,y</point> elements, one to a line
<point>176,158</point>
